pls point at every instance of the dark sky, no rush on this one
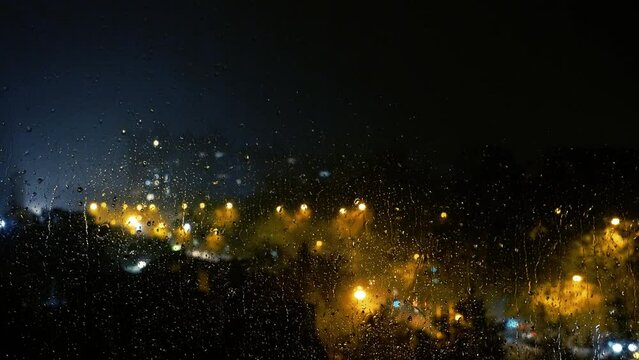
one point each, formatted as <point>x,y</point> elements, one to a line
<point>310,77</point>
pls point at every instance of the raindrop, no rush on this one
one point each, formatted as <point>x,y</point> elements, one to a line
<point>80,189</point>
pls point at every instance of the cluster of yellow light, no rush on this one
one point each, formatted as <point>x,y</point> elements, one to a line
<point>184,206</point>
<point>342,211</point>
<point>303,207</point>
<point>152,207</point>
<point>361,206</point>
<point>458,316</point>
<point>93,206</point>
<point>279,208</point>
<point>443,215</point>
<point>577,278</point>
<point>416,256</point>
<point>558,211</point>
<point>359,293</point>
<point>139,207</point>
<point>229,205</point>
<point>319,244</point>
<point>615,221</point>
<point>103,205</point>
<point>202,205</point>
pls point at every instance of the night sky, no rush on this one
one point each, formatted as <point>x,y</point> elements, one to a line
<point>308,78</point>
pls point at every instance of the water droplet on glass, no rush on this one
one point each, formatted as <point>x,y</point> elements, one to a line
<point>80,189</point>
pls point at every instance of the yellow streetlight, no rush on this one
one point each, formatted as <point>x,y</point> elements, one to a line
<point>279,209</point>
<point>152,207</point>
<point>103,205</point>
<point>359,293</point>
<point>577,278</point>
<point>156,143</point>
<point>184,206</point>
<point>202,205</point>
<point>615,221</point>
<point>139,207</point>
<point>361,206</point>
<point>319,244</point>
<point>229,205</point>
<point>416,256</point>
<point>342,211</point>
<point>303,207</point>
<point>93,206</point>
<point>443,215</point>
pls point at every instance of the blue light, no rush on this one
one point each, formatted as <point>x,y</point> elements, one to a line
<point>433,269</point>
<point>512,324</point>
<point>396,303</point>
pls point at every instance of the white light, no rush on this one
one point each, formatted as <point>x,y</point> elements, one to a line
<point>2,224</point>
<point>156,143</point>
<point>361,206</point>
<point>150,197</point>
<point>633,347</point>
<point>359,294</point>
<point>186,227</point>
<point>577,278</point>
<point>142,264</point>
<point>229,205</point>
<point>615,221</point>
<point>617,348</point>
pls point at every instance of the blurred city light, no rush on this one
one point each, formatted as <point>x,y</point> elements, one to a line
<point>615,221</point>
<point>617,348</point>
<point>359,294</point>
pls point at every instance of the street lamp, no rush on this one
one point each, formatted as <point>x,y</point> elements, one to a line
<point>359,293</point>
